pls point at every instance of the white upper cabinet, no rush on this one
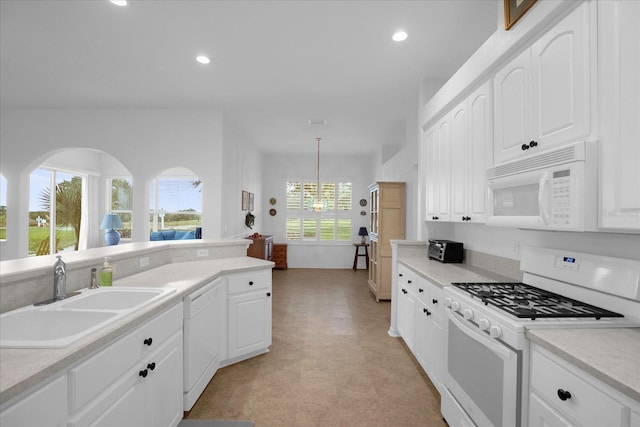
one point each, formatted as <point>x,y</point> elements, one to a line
<point>438,174</point>
<point>619,113</point>
<point>542,96</point>
<point>471,139</point>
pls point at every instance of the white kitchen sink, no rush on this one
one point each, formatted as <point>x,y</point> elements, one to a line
<point>113,299</point>
<point>62,323</point>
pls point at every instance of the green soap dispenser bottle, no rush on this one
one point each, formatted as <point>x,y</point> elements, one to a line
<point>106,273</point>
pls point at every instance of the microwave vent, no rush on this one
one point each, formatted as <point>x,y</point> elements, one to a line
<point>568,153</point>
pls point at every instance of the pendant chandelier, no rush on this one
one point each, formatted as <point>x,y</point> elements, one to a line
<point>318,205</point>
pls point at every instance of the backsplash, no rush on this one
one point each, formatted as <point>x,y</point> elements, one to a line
<point>25,286</point>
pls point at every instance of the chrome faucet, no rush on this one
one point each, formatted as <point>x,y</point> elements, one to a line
<point>59,279</point>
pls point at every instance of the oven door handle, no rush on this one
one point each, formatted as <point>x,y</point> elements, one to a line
<point>478,336</point>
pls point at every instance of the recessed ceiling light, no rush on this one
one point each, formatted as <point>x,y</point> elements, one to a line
<point>119,2</point>
<point>203,59</point>
<point>399,36</point>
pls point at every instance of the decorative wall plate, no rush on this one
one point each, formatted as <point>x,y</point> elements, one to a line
<point>272,212</point>
<point>272,200</point>
<point>363,202</point>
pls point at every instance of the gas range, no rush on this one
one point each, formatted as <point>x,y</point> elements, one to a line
<point>528,302</point>
<point>561,289</point>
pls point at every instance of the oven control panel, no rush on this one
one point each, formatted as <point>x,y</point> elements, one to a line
<point>483,319</point>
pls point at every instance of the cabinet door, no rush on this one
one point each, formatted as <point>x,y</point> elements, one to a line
<point>406,307</point>
<point>460,161</point>
<point>443,208</point>
<point>543,415</point>
<point>249,322</point>
<point>46,406</point>
<point>127,410</point>
<point>560,81</point>
<point>512,95</point>
<point>619,107</point>
<point>435,337</point>
<point>163,388</point>
<point>421,343</point>
<point>430,143</point>
<point>479,158</point>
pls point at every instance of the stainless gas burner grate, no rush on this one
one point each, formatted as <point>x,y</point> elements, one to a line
<point>527,302</point>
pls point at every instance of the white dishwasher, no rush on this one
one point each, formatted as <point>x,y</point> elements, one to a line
<point>204,338</point>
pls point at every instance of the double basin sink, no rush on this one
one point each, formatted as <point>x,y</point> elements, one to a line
<point>64,322</point>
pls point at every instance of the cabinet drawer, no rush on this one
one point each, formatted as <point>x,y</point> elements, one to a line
<point>588,405</point>
<point>407,278</point>
<point>248,281</point>
<point>95,374</point>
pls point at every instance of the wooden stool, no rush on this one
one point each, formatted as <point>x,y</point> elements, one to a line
<point>358,254</point>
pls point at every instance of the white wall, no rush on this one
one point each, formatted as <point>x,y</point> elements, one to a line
<point>278,169</point>
<point>145,141</point>
<point>242,170</point>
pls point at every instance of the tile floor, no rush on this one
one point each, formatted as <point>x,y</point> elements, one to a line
<point>331,363</point>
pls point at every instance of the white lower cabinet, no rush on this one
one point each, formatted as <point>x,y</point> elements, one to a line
<point>249,314</point>
<point>419,321</point>
<point>428,325</point>
<point>563,395</point>
<point>45,407</point>
<point>136,381</point>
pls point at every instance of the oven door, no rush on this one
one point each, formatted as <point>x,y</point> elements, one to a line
<point>481,374</point>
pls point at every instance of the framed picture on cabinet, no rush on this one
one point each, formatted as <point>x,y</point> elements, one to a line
<point>245,200</point>
<point>250,201</point>
<point>513,11</point>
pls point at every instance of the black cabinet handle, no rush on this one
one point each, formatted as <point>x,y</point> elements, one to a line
<point>148,341</point>
<point>404,291</point>
<point>151,366</point>
<point>268,294</point>
<point>420,290</point>
<point>466,218</point>
<point>143,374</point>
<point>427,312</point>
<point>525,147</point>
<point>533,144</point>
<point>435,218</point>
<point>434,301</point>
<point>563,394</point>
<point>250,283</point>
<point>408,281</point>
<point>400,274</point>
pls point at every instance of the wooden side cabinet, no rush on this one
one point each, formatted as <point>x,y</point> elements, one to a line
<point>387,204</point>
<point>280,256</point>
<point>261,248</point>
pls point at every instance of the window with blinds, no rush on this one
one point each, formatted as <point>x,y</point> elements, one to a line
<point>332,224</point>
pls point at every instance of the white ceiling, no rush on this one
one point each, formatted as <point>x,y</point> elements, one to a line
<point>275,64</point>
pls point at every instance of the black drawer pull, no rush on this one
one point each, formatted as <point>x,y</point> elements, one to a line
<point>143,374</point>
<point>268,294</point>
<point>148,341</point>
<point>420,290</point>
<point>250,283</point>
<point>151,366</point>
<point>563,394</point>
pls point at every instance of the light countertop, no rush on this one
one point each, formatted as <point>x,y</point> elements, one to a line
<point>21,369</point>
<point>611,355</point>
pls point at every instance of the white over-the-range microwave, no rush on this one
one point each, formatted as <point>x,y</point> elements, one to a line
<point>552,190</point>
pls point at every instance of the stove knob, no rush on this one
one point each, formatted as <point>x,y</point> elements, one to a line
<point>467,314</point>
<point>483,324</point>
<point>455,306</point>
<point>495,331</point>
<point>447,302</point>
